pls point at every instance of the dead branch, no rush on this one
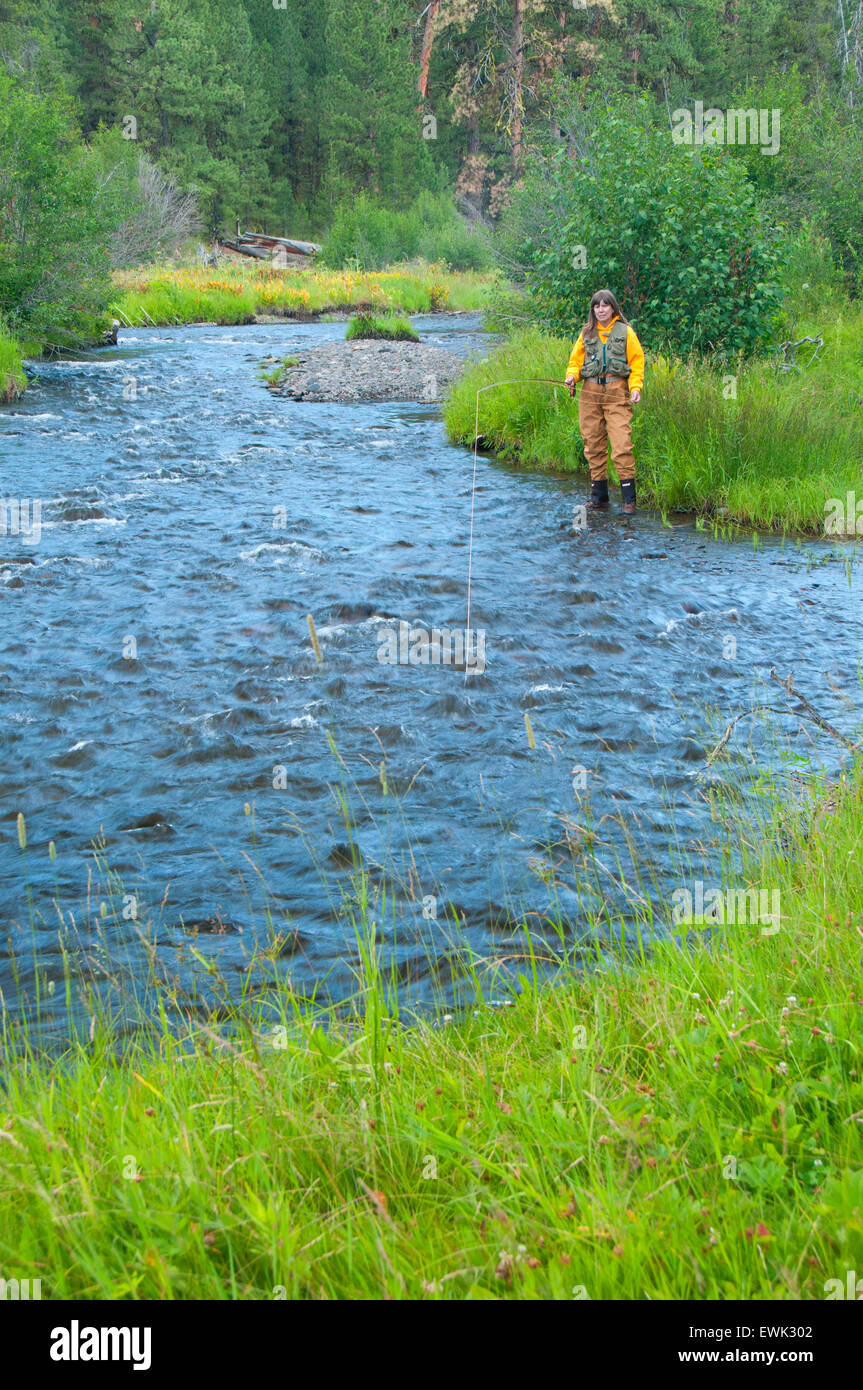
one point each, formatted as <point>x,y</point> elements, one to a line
<point>811,712</point>
<point>788,364</point>
<point>804,710</point>
<point>161,217</point>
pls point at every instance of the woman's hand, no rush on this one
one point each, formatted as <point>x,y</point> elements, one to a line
<point>635,397</point>
<point>570,382</point>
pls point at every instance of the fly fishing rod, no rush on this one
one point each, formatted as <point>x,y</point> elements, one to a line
<point>514,381</point>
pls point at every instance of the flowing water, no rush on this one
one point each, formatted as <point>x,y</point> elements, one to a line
<point>157,677</point>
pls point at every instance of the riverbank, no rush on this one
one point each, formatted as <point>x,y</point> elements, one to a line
<point>159,296</point>
<point>684,1126</point>
<point>235,294</point>
<point>744,443</point>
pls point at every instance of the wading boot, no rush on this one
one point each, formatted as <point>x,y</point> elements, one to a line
<point>627,492</point>
<point>598,495</point>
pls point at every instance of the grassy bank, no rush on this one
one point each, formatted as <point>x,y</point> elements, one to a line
<point>12,377</point>
<point>237,293</point>
<point>740,441</point>
<point>687,1125</point>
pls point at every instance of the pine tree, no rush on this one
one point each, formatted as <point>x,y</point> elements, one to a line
<point>371,128</point>
<point>31,44</point>
<point>185,88</point>
<point>90,34</point>
<point>284,85</point>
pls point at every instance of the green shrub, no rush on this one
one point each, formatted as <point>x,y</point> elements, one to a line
<point>374,326</point>
<point>57,215</point>
<point>457,245</point>
<point>277,374</point>
<point>370,236</point>
<point>816,174</point>
<point>674,232</point>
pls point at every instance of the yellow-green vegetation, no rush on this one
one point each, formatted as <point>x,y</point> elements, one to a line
<point>12,377</point>
<point>742,440</point>
<point>277,375</point>
<point>237,293</point>
<point>382,326</point>
<point>681,1124</point>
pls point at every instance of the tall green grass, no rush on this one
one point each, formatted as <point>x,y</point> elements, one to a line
<point>744,441</point>
<point>681,1122</point>
<point>12,376</point>
<point>381,326</point>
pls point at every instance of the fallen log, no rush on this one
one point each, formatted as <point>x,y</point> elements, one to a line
<point>265,247</point>
<point>259,252</point>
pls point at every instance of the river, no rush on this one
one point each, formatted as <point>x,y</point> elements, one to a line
<point>157,677</point>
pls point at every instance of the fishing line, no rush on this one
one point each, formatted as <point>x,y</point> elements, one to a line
<point>514,381</point>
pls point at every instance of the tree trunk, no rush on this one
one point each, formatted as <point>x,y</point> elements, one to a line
<point>635,51</point>
<point>517,81</point>
<point>473,134</point>
<point>428,41</point>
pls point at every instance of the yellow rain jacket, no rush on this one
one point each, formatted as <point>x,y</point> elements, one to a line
<point>634,355</point>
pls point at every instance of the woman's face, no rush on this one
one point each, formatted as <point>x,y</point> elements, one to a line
<point>604,312</point>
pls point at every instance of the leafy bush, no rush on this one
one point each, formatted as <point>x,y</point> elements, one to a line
<point>438,297</point>
<point>374,326</point>
<point>673,230</point>
<point>816,175</point>
<point>371,236</point>
<point>57,213</point>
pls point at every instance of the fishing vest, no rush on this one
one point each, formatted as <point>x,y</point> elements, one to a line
<point>608,358</point>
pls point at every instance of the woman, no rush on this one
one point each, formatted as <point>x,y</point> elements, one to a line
<point>609,359</point>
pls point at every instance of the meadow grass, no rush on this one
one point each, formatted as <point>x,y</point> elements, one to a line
<point>743,442</point>
<point>12,377</point>
<point>237,293</point>
<point>682,1121</point>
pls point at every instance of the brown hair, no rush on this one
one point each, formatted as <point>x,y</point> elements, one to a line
<point>589,329</point>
